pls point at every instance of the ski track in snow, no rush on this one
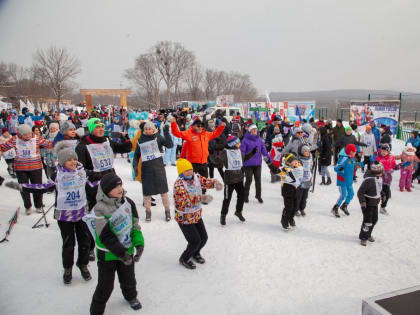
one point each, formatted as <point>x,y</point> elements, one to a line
<point>252,268</point>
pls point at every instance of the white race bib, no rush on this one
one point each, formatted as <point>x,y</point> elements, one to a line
<point>8,155</point>
<point>298,174</point>
<point>71,143</point>
<point>149,150</point>
<point>234,158</point>
<point>122,223</point>
<point>102,156</point>
<point>307,165</point>
<point>71,193</point>
<point>26,149</point>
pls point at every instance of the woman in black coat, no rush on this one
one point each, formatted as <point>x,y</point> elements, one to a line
<point>153,174</point>
<point>325,154</point>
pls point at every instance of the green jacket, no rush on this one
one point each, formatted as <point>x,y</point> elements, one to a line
<point>106,235</point>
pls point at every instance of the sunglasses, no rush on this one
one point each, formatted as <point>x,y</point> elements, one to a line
<point>299,132</point>
<point>199,126</point>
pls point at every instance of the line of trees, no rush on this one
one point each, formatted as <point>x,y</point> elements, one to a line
<point>51,75</point>
<point>169,72</point>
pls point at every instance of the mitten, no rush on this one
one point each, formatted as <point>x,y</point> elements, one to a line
<point>127,259</point>
<point>139,252</point>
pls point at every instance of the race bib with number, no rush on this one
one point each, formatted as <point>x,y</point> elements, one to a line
<point>8,155</point>
<point>102,156</point>
<point>307,165</point>
<point>149,150</point>
<point>122,223</point>
<point>26,149</point>
<point>234,158</point>
<point>71,193</point>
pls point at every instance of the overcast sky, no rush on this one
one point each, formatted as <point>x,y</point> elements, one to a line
<point>300,45</point>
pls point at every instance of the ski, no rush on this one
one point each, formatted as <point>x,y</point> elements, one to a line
<point>12,222</point>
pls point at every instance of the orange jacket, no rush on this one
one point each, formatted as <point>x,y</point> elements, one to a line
<point>196,145</point>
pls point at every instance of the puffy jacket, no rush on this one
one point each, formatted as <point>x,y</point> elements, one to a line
<point>248,144</point>
<point>369,192</point>
<point>196,145</point>
<point>344,169</point>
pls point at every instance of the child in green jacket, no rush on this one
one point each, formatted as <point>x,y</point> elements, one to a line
<point>118,235</point>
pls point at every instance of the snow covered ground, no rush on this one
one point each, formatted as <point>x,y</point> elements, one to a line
<point>252,268</point>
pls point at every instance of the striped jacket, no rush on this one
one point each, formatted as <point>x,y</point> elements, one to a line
<point>23,163</point>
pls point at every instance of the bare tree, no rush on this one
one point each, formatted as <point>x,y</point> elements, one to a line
<point>4,74</point>
<point>146,76</point>
<point>172,60</point>
<point>57,67</point>
<point>194,80</point>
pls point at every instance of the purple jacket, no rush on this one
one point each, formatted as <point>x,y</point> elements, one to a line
<point>249,142</point>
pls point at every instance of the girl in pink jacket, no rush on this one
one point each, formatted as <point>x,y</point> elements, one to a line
<point>408,155</point>
<point>388,161</point>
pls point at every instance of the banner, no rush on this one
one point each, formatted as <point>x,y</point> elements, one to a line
<point>382,112</point>
<point>224,100</point>
<point>300,110</point>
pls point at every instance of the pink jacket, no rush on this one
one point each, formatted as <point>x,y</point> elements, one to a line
<point>408,158</point>
<point>387,161</point>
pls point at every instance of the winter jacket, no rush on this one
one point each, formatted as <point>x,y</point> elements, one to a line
<point>22,162</point>
<point>388,161</point>
<point>233,176</point>
<point>370,148</point>
<point>369,192</point>
<point>344,169</point>
<point>291,179</point>
<point>307,164</point>
<point>415,142</point>
<point>109,246</point>
<point>29,118</point>
<point>386,137</point>
<point>153,174</point>
<point>184,200</point>
<point>216,147</point>
<point>377,135</point>
<point>325,146</point>
<point>196,145</point>
<point>48,154</point>
<point>248,144</point>
<point>346,140</point>
<point>85,158</point>
<point>338,132</point>
<point>404,157</point>
<point>294,144</point>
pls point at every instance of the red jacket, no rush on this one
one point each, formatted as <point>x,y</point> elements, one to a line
<point>196,146</point>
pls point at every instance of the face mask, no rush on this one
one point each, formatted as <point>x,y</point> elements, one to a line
<point>188,177</point>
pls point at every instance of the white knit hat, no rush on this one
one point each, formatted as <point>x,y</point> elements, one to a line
<point>24,129</point>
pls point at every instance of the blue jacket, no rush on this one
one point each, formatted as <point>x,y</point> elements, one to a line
<point>414,141</point>
<point>33,117</point>
<point>344,169</point>
<point>377,135</point>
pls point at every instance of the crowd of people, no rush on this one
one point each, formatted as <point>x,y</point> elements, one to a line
<point>76,152</point>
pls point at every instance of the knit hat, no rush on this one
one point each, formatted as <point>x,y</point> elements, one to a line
<point>24,129</point>
<point>197,122</point>
<point>350,148</point>
<point>232,141</point>
<point>252,127</point>
<point>368,128</point>
<point>409,149</point>
<point>183,165</point>
<point>386,147</point>
<point>304,148</point>
<point>277,139</point>
<point>296,130</point>
<point>377,168</point>
<point>348,128</point>
<point>109,182</point>
<point>3,130</point>
<point>38,123</point>
<point>93,123</point>
<point>66,126</point>
<point>64,152</point>
<point>290,158</point>
<point>150,125</point>
<point>55,125</point>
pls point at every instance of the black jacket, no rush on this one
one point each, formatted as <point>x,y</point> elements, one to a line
<point>346,140</point>
<point>233,177</point>
<point>369,192</point>
<point>325,146</point>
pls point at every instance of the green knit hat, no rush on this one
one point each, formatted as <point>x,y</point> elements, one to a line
<point>348,128</point>
<point>93,123</point>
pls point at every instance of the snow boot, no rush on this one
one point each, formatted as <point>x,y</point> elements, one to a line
<point>302,213</point>
<point>371,239</point>
<point>84,272</point>
<point>292,222</point>
<point>335,211</point>
<point>401,189</point>
<point>323,181</point>
<point>297,213</point>
<point>344,209</point>
<point>38,210</point>
<point>246,200</point>
<point>92,255</point>
<point>284,221</point>
<point>223,219</point>
<point>240,216</point>
<point>199,259</point>
<point>1,180</point>
<point>259,199</point>
<point>328,181</point>
<point>408,189</point>
<point>383,211</point>
<point>167,215</point>
<point>363,242</point>
<point>67,276</point>
<point>135,304</point>
<point>28,210</point>
<point>187,264</point>
<point>148,216</point>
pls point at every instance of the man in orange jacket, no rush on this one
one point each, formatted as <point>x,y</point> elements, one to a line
<point>196,145</point>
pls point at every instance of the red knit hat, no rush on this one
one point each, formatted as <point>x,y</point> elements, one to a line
<point>38,122</point>
<point>350,148</point>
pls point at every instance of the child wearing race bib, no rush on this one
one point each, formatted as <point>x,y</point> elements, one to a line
<point>187,196</point>
<point>305,158</point>
<point>370,149</point>
<point>153,174</point>
<point>9,156</point>
<point>118,235</point>
<point>291,176</point>
<point>369,195</point>
<point>233,177</point>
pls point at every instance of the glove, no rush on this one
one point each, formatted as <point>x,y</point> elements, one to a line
<point>139,252</point>
<point>127,259</point>
<point>266,160</point>
<point>166,129</point>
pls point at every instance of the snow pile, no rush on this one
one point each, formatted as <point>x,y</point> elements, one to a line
<point>252,268</point>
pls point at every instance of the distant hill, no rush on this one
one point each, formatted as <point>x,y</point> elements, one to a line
<point>333,100</point>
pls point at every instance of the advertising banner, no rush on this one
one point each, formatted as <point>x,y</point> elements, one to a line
<point>300,110</point>
<point>382,112</point>
<point>224,100</point>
